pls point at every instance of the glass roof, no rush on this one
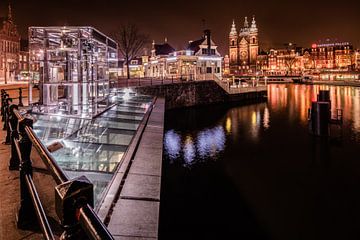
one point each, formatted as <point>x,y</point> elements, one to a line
<point>94,147</point>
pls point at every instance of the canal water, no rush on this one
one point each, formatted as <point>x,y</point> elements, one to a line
<point>254,172</point>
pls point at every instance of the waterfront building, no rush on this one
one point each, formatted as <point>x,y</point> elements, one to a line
<point>199,61</point>
<point>9,48</point>
<point>137,67</point>
<point>357,59</point>
<point>244,48</point>
<point>286,61</point>
<point>332,55</point>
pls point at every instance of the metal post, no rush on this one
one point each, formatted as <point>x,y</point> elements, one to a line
<point>6,123</point>
<point>20,98</point>
<point>14,160</point>
<point>70,197</point>
<point>27,216</point>
<point>2,104</point>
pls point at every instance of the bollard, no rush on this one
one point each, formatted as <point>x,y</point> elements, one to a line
<point>20,98</point>
<point>26,217</point>
<point>70,197</point>
<point>319,119</point>
<point>6,123</point>
<point>13,123</point>
<point>4,104</point>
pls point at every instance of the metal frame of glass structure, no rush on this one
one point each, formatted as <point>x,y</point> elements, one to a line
<point>74,67</point>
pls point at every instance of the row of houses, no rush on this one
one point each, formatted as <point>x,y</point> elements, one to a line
<point>198,61</point>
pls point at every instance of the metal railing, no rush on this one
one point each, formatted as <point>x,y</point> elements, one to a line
<point>73,198</point>
<point>142,82</point>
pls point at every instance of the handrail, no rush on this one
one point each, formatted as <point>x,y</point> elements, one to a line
<point>54,169</point>
<point>93,227</point>
<point>26,175</point>
<point>88,220</point>
<point>44,223</point>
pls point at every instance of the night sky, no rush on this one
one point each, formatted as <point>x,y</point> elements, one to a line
<point>279,21</point>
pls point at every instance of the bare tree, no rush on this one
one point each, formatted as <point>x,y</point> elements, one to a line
<point>130,42</point>
<point>290,60</point>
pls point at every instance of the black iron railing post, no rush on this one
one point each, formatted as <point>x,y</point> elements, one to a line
<point>7,122</point>
<point>2,104</point>
<point>5,104</point>
<point>20,98</point>
<point>70,197</point>
<point>27,214</point>
<point>13,123</point>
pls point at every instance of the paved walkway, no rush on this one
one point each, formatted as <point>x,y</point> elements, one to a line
<point>10,198</point>
<point>10,195</point>
<point>136,213</point>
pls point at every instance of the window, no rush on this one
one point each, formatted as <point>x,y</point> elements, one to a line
<point>233,43</point>
<point>208,70</point>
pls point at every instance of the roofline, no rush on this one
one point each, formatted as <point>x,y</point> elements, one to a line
<point>73,27</point>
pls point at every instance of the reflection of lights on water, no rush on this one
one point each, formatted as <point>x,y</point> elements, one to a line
<point>253,119</point>
<point>210,142</point>
<point>266,118</point>
<point>172,142</point>
<point>255,124</point>
<point>228,125</point>
<point>189,150</point>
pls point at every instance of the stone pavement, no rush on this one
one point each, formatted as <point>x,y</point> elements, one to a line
<point>10,198</point>
<point>10,195</point>
<point>136,213</point>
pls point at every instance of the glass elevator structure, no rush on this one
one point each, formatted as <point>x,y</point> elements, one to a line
<point>74,65</point>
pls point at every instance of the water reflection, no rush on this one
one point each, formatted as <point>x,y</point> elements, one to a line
<point>297,99</point>
<point>172,143</point>
<point>195,147</point>
<point>256,152</point>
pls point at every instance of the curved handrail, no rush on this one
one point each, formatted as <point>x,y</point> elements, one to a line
<point>58,174</point>
<point>93,227</point>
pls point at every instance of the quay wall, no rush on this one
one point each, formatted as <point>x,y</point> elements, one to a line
<point>197,93</point>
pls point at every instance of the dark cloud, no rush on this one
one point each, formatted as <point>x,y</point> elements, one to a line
<point>302,22</point>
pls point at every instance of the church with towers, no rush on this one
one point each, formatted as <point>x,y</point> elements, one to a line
<point>244,48</point>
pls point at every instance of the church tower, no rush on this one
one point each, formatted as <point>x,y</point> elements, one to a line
<point>233,46</point>
<point>254,42</point>
<point>244,44</point>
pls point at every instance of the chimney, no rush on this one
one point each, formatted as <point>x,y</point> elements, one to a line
<point>208,37</point>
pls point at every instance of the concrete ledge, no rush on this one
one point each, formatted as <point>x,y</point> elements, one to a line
<point>136,219</point>
<point>136,213</point>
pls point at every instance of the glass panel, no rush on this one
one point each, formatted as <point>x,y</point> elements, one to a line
<point>89,157</point>
<point>95,134</point>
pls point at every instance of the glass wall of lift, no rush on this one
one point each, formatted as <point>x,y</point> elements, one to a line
<point>87,129</point>
<point>74,67</point>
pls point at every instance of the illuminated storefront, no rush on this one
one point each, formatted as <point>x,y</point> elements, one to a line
<point>200,61</point>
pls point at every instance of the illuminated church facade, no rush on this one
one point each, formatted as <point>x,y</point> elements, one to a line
<point>244,48</point>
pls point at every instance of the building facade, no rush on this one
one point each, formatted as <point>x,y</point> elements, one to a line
<point>243,48</point>
<point>331,55</point>
<point>199,61</point>
<point>9,48</point>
